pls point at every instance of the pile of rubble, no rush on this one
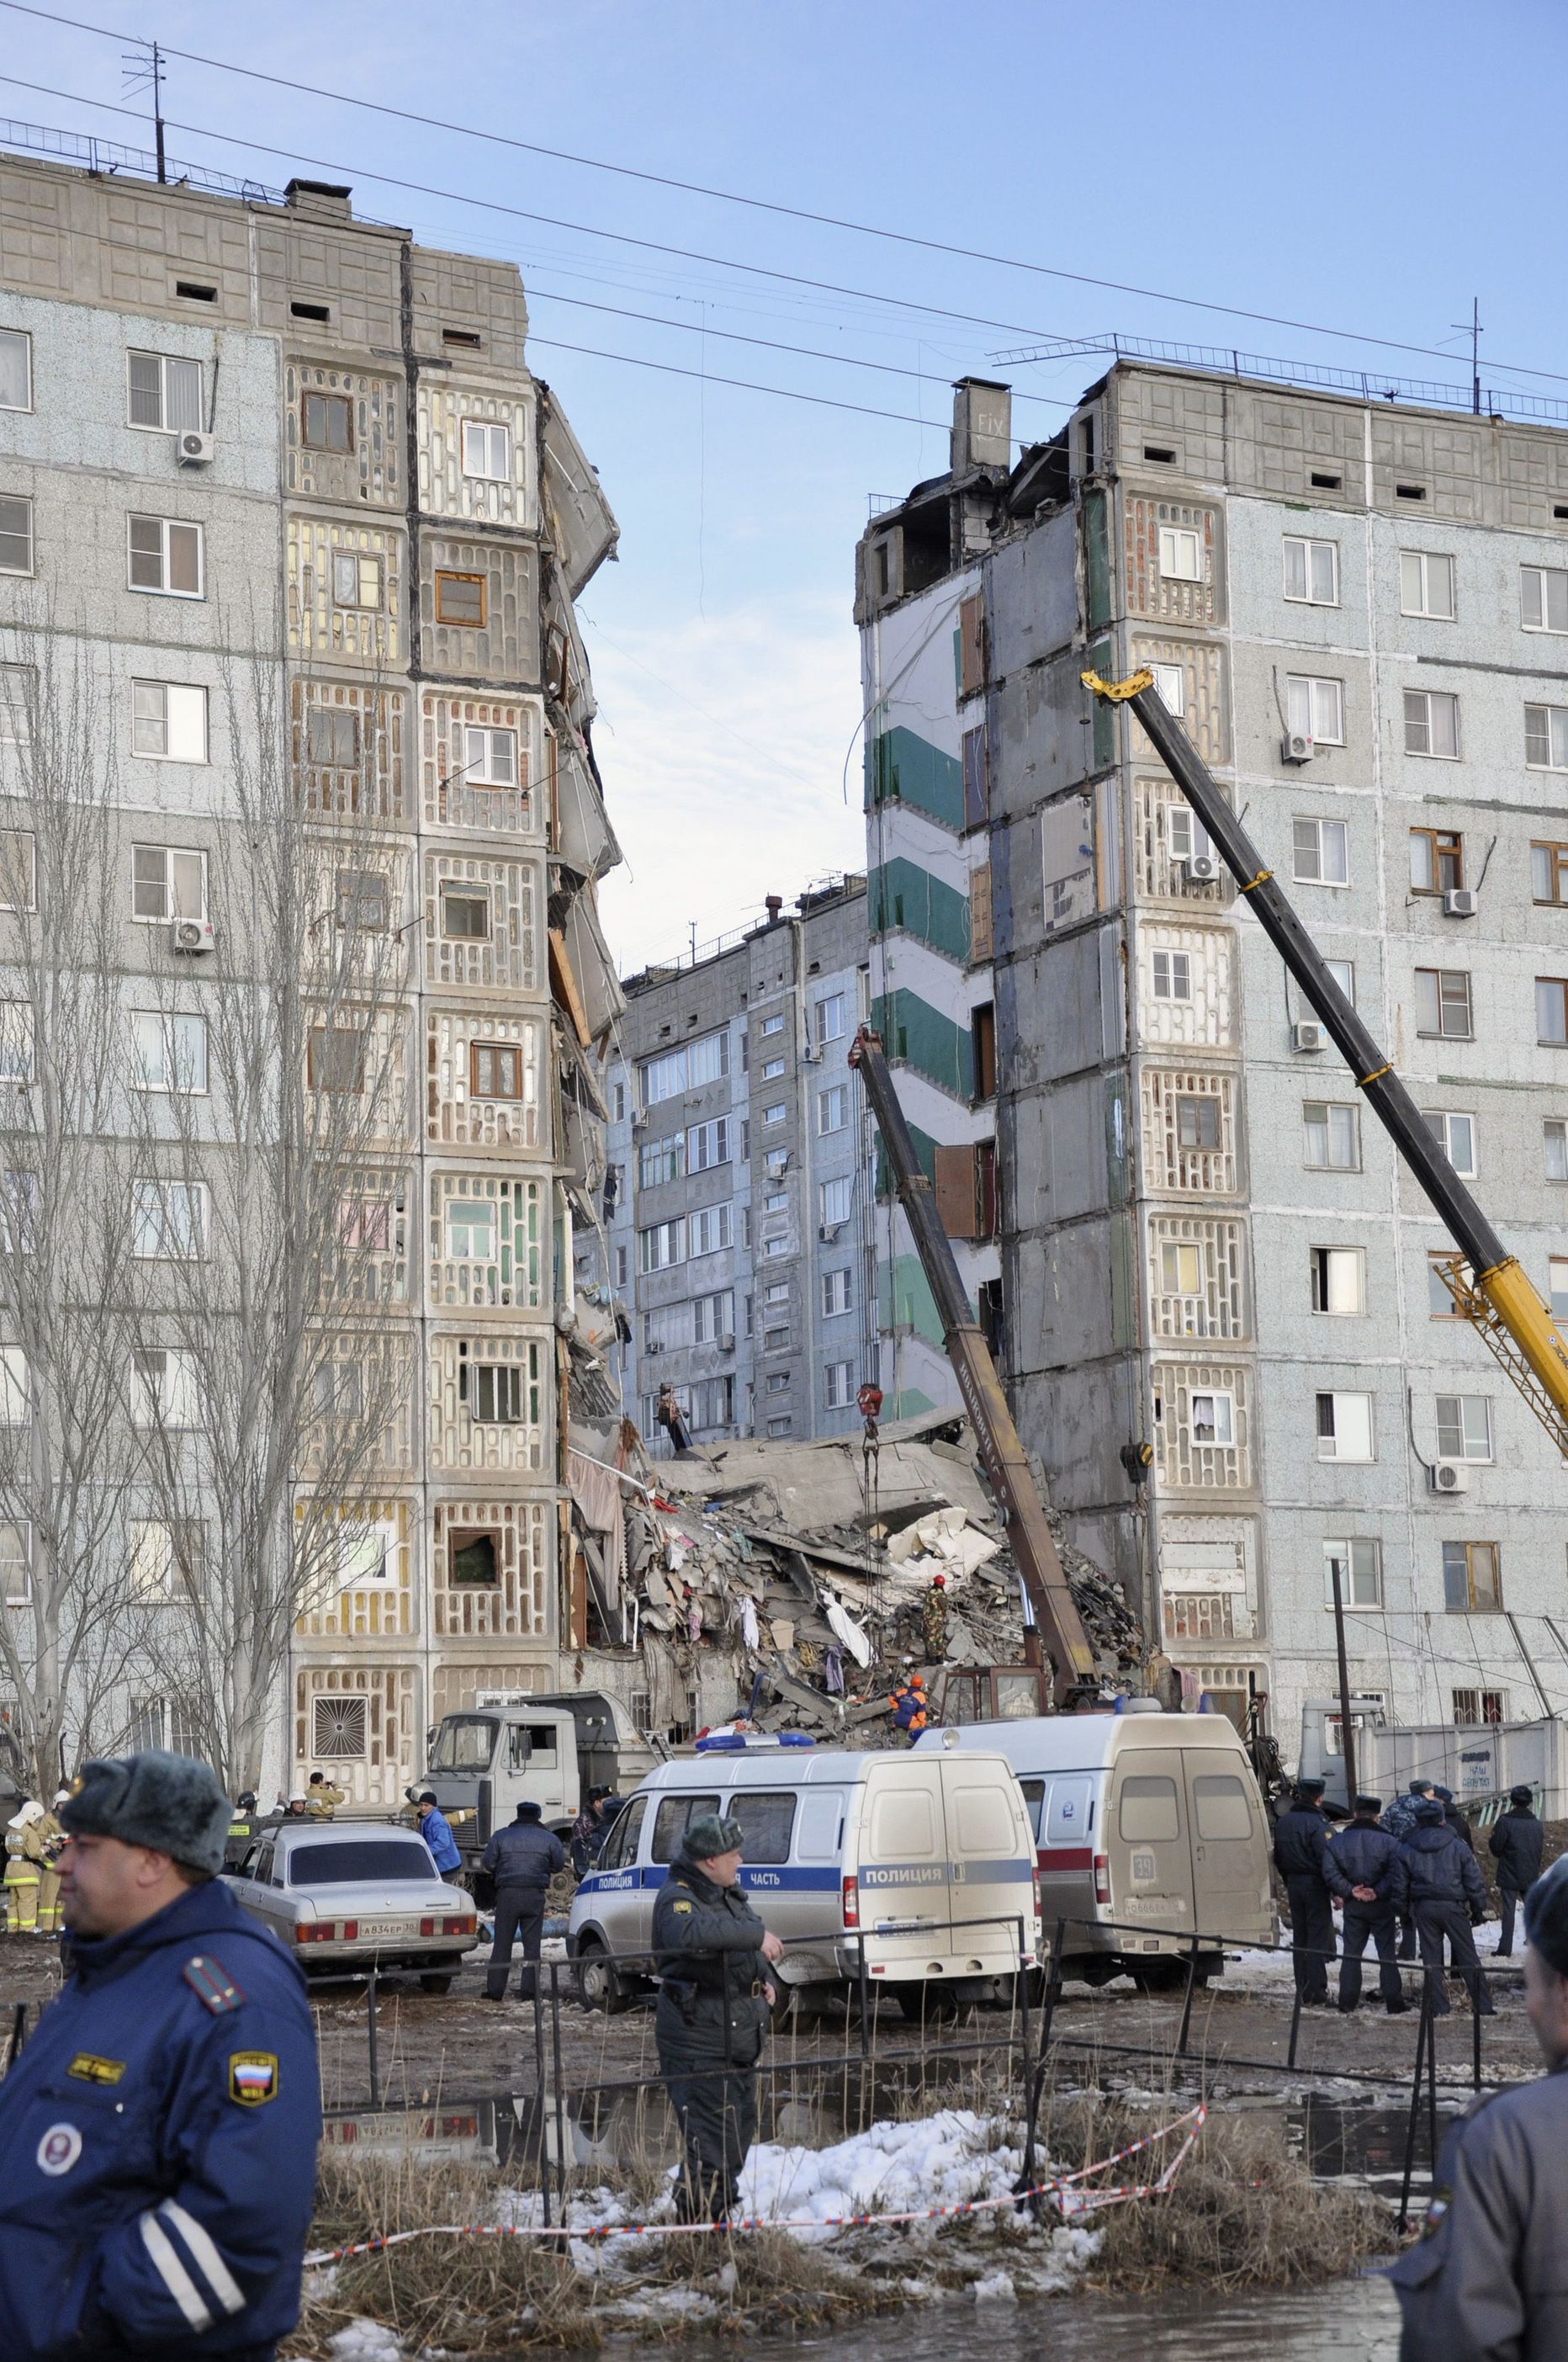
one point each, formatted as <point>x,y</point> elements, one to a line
<point>799,1584</point>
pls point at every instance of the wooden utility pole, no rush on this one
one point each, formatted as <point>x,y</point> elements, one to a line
<point>1347,1735</point>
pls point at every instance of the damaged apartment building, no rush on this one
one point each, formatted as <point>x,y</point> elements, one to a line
<point>1187,1235</point>
<point>253,435</point>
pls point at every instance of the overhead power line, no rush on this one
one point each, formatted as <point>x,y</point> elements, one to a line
<point>756,204</point>
<point>748,385</point>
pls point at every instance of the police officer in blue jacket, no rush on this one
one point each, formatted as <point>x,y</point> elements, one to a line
<point>157,2134</point>
<point>1366,1870</point>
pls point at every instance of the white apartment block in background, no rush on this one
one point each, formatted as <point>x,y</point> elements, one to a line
<point>251,439</point>
<point>1360,612</point>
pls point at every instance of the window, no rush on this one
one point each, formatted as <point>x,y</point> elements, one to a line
<point>713,1318</point>
<point>836,1293</point>
<point>166,1389</point>
<point>18,696</point>
<point>1437,860</point>
<point>165,556</point>
<point>1198,1122</point>
<point>1181,1269</point>
<point>833,1109</point>
<point>772,1069</point>
<point>827,1020</point>
<point>671,1819</point>
<point>1546,737</point>
<point>705,1060</point>
<point>1552,1010</point>
<point>168,718</point>
<point>1557,1286</point>
<point>775,1113</point>
<point>777,1382</point>
<point>776,1164</point>
<point>837,1386</point>
<point>777,1292</point>
<point>491,757</point>
<point>1472,1579</point>
<point>171,1050</point>
<point>363,899</point>
<point>1186,838</point>
<point>771,1025</point>
<point>661,1245</point>
<point>355,578</point>
<point>332,736</point>
<point>1426,585</point>
<point>1543,598</point>
<point>982,1049</point>
<point>970,645</point>
<point>1146,1810</point>
<point>19,879</point>
<point>1455,1135</point>
<point>473,1554</point>
<point>1360,1573</point>
<point>1441,1305</point>
<point>660,1161</point>
<point>494,1394</point>
<point>710,1229</point>
<point>1480,1705</point>
<point>775,1247</point>
<point>1345,1427</point>
<point>1344,975</point>
<point>1315,708</point>
<point>1442,1004</point>
<point>977,778</point>
<point>1463,1427</point>
<point>164,393</point>
<point>16,1042</point>
<point>16,536</point>
<point>327,423</point>
<point>16,370</point>
<point>618,1103</point>
<point>460,598</point>
<point>164,1559</point>
<point>1554,1142</point>
<point>767,1822</point>
<point>487,450</point>
<point>465,918</point>
<point>1172,975</point>
<point>168,883</point>
<point>1549,872</point>
<point>707,1146</point>
<point>1171,683</point>
<point>169,1220</point>
<point>1431,723</point>
<point>15,1551</point>
<point>835,1201</point>
<point>1332,1135</point>
<point>495,1070</point>
<point>1213,1417</point>
<point>1180,554</point>
<point>335,1058</point>
<point>1311,571</point>
<point>1339,1279</point>
<point>1322,852</point>
<point>470,1230</point>
<point>622,1266</point>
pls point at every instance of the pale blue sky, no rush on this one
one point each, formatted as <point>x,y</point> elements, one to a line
<point>1369,168</point>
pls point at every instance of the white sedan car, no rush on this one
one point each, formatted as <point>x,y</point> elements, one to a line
<point>349,1897</point>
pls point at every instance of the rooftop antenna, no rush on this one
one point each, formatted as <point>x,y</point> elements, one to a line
<point>1472,327</point>
<point>138,73</point>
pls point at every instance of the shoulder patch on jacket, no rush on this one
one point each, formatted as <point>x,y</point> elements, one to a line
<point>680,1907</point>
<point>253,2077</point>
<point>212,1984</point>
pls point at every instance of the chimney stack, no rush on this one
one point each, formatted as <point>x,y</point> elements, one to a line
<point>774,904</point>
<point>982,425</point>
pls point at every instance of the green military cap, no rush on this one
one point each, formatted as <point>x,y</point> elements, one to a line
<point>710,1834</point>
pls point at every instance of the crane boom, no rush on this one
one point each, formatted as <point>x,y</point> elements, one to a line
<point>1488,1286</point>
<point>1045,1580</point>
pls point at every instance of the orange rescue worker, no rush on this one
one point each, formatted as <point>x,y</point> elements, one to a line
<point>909,1706</point>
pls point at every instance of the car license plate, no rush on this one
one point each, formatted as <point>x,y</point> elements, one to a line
<point>376,1931</point>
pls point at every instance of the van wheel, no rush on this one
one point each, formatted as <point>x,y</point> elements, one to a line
<point>436,1981</point>
<point>599,1983</point>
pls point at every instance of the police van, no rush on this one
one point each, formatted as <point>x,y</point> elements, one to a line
<point>1150,1828</point>
<point>927,1861</point>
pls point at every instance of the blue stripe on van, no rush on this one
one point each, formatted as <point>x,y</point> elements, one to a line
<point>824,1879</point>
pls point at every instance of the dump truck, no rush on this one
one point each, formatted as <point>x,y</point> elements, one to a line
<point>511,1746</point>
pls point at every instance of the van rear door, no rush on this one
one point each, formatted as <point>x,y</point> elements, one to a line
<point>990,1846</point>
<point>1230,1856</point>
<point>1148,1840</point>
<point>902,1868</point>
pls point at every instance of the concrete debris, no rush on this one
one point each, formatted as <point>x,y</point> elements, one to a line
<point>795,1585</point>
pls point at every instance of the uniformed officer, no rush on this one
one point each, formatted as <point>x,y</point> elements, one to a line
<point>321,1799</point>
<point>1300,1852</point>
<point>244,1822</point>
<point>157,2134</point>
<point>522,1860</point>
<point>1443,1882</point>
<point>1515,1847</point>
<point>714,2007</point>
<point>51,1844</point>
<point>1366,1870</point>
<point>1489,2279</point>
<point>23,1860</point>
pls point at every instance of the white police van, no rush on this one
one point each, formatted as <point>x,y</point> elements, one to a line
<point>927,1860</point>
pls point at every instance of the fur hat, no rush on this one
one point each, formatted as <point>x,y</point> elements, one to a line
<point>709,1833</point>
<point>1429,1813</point>
<point>530,1809</point>
<point>167,1802</point>
<point>1521,1796</point>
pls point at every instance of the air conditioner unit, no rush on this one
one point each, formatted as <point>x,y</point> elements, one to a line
<point>192,935</point>
<point>653,1346</point>
<point>727,1344</point>
<point>638,1119</point>
<point>1459,903</point>
<point>194,449</point>
<point>1308,1034</point>
<point>1202,868</point>
<point>1448,1476</point>
<point>1297,747</point>
<point>814,1053</point>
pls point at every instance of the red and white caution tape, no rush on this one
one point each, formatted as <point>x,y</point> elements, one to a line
<point>1063,2190</point>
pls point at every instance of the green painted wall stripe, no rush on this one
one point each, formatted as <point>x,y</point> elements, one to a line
<point>924,1150</point>
<point>922,1038</point>
<point>902,894</point>
<point>902,768</point>
<point>906,1301</point>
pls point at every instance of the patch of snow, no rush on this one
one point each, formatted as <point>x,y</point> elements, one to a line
<point>366,2341</point>
<point>996,2287</point>
<point>946,2159</point>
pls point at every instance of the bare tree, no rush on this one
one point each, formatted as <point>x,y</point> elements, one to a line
<point>67,1322</point>
<point>270,1200</point>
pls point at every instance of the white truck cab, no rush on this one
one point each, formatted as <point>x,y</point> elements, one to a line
<point>511,1746</point>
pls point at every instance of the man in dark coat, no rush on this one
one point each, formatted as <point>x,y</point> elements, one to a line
<point>1366,1870</point>
<point>1455,1818</point>
<point>522,1860</point>
<point>1515,1845</point>
<point>1300,1852</point>
<point>1489,2278</point>
<point>1444,1881</point>
<point>715,2004</point>
<point>1399,1820</point>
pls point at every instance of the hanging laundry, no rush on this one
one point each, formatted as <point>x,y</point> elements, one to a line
<point>833,1671</point>
<point>749,1632</point>
<point>848,1631</point>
